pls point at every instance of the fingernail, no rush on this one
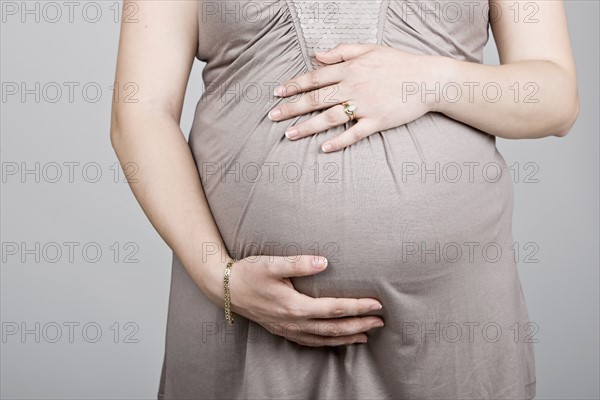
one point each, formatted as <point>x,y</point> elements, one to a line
<point>274,114</point>
<point>291,133</point>
<point>376,306</point>
<point>319,263</point>
<point>377,324</point>
<point>326,147</point>
<point>363,340</point>
<point>279,91</point>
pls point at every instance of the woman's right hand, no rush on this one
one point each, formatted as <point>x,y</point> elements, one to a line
<point>147,134</point>
<point>261,291</point>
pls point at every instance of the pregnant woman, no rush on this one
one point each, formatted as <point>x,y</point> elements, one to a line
<point>340,222</point>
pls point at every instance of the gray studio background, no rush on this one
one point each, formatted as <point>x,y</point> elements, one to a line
<point>111,307</point>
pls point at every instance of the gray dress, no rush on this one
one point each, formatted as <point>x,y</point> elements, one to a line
<point>418,216</point>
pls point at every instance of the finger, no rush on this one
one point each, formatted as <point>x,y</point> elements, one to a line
<point>311,80</point>
<point>329,118</point>
<point>344,52</point>
<point>285,267</point>
<point>309,339</point>
<point>354,134</point>
<point>334,327</point>
<point>311,101</point>
<point>333,307</point>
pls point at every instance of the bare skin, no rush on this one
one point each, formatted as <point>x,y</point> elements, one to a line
<point>537,79</point>
<point>157,54</point>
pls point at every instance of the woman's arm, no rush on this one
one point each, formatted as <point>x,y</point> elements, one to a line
<point>537,75</point>
<point>156,54</point>
<point>532,94</point>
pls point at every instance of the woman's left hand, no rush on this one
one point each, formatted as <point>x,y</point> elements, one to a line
<point>389,88</point>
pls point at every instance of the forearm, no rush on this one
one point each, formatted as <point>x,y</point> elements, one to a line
<point>168,188</point>
<point>528,99</point>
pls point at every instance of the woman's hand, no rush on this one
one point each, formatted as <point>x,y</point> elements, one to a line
<point>261,291</point>
<point>388,86</point>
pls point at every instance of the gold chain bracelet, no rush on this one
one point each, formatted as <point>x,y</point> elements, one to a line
<point>228,315</point>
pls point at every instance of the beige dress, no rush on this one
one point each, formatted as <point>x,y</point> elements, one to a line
<point>418,216</point>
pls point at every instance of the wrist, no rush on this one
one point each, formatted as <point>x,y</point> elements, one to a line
<point>212,286</point>
<point>443,73</point>
<point>206,268</point>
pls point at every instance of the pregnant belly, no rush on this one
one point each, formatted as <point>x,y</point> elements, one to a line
<point>371,209</point>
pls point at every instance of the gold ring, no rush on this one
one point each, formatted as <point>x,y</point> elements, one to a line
<point>349,109</point>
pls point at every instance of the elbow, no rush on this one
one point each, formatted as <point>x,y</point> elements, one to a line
<point>115,129</point>
<point>569,119</point>
<point>570,104</point>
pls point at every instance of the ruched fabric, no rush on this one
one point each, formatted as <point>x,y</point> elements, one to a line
<point>418,216</point>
